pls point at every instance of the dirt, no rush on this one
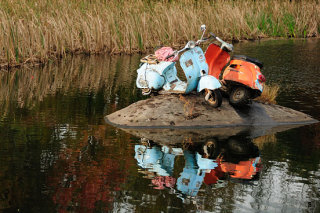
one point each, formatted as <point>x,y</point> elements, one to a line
<point>169,111</point>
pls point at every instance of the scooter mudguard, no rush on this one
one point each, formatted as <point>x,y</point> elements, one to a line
<point>208,82</point>
<point>149,77</point>
<point>191,68</point>
<point>205,163</point>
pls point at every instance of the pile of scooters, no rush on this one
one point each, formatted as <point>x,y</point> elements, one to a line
<point>212,73</point>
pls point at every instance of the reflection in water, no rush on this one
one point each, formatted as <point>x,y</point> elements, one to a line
<point>114,77</point>
<point>58,155</point>
<point>81,184</point>
<point>211,163</point>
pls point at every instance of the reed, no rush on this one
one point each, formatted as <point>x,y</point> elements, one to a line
<point>269,94</point>
<point>34,31</point>
<point>262,140</point>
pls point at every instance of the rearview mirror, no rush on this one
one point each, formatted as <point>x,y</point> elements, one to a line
<point>203,27</point>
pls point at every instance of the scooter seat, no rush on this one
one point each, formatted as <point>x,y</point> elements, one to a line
<point>249,59</point>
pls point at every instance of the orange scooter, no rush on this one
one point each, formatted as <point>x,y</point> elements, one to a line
<point>240,76</point>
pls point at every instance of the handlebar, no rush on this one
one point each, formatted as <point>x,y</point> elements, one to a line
<point>191,44</point>
<point>169,56</point>
<point>213,35</point>
<point>205,39</point>
<point>224,45</point>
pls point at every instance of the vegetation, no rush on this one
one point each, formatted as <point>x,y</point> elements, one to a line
<point>35,31</point>
<point>269,94</point>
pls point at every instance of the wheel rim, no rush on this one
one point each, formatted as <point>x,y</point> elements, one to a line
<point>146,91</point>
<point>239,94</point>
<point>210,97</point>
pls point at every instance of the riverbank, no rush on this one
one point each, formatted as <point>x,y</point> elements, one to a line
<point>38,31</point>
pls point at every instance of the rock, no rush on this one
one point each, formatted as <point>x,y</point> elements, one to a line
<point>191,111</point>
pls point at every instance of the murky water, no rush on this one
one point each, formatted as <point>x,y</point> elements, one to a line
<point>58,155</point>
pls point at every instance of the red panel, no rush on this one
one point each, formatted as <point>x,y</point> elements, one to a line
<point>216,59</point>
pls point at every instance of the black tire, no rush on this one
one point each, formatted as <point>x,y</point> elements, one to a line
<point>239,96</point>
<point>238,147</point>
<point>213,97</point>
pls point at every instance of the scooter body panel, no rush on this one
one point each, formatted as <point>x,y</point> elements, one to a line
<point>189,61</point>
<point>208,82</point>
<point>245,73</point>
<point>173,84</point>
<point>152,159</point>
<point>191,178</point>
<point>150,75</point>
<point>216,59</point>
<point>200,59</point>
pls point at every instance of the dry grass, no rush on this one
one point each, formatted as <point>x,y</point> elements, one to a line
<point>269,94</point>
<point>188,107</point>
<point>260,141</point>
<point>34,31</point>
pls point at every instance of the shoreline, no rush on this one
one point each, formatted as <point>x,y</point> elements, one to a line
<point>30,64</point>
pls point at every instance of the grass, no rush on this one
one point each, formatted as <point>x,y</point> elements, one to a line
<point>262,140</point>
<point>34,31</point>
<point>269,94</point>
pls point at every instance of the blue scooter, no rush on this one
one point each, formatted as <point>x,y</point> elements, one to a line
<point>162,77</point>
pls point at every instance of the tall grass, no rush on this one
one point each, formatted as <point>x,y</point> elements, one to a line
<point>269,94</point>
<point>37,30</point>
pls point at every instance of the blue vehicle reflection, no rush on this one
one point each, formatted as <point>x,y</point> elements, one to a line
<point>210,163</point>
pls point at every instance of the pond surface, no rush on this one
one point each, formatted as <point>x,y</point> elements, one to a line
<point>58,155</point>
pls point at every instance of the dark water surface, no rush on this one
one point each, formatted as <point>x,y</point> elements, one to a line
<point>58,155</point>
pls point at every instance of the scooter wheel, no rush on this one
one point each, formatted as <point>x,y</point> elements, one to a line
<point>210,149</point>
<point>239,96</point>
<point>146,91</point>
<point>213,97</point>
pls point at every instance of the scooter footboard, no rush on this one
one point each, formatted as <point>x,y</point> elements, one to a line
<point>208,82</point>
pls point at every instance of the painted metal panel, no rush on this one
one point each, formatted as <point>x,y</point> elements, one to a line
<point>208,82</point>
<point>191,68</point>
<point>200,59</point>
<point>149,78</point>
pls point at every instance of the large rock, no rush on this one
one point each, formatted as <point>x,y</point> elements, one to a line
<point>191,111</point>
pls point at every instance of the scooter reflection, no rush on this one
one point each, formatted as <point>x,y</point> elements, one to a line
<point>209,163</point>
<point>193,173</point>
<point>159,161</point>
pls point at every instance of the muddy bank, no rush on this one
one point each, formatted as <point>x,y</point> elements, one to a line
<point>177,111</point>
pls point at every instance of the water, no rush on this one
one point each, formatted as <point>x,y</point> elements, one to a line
<point>58,155</point>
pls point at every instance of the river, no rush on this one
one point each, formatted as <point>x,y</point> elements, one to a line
<point>58,154</point>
